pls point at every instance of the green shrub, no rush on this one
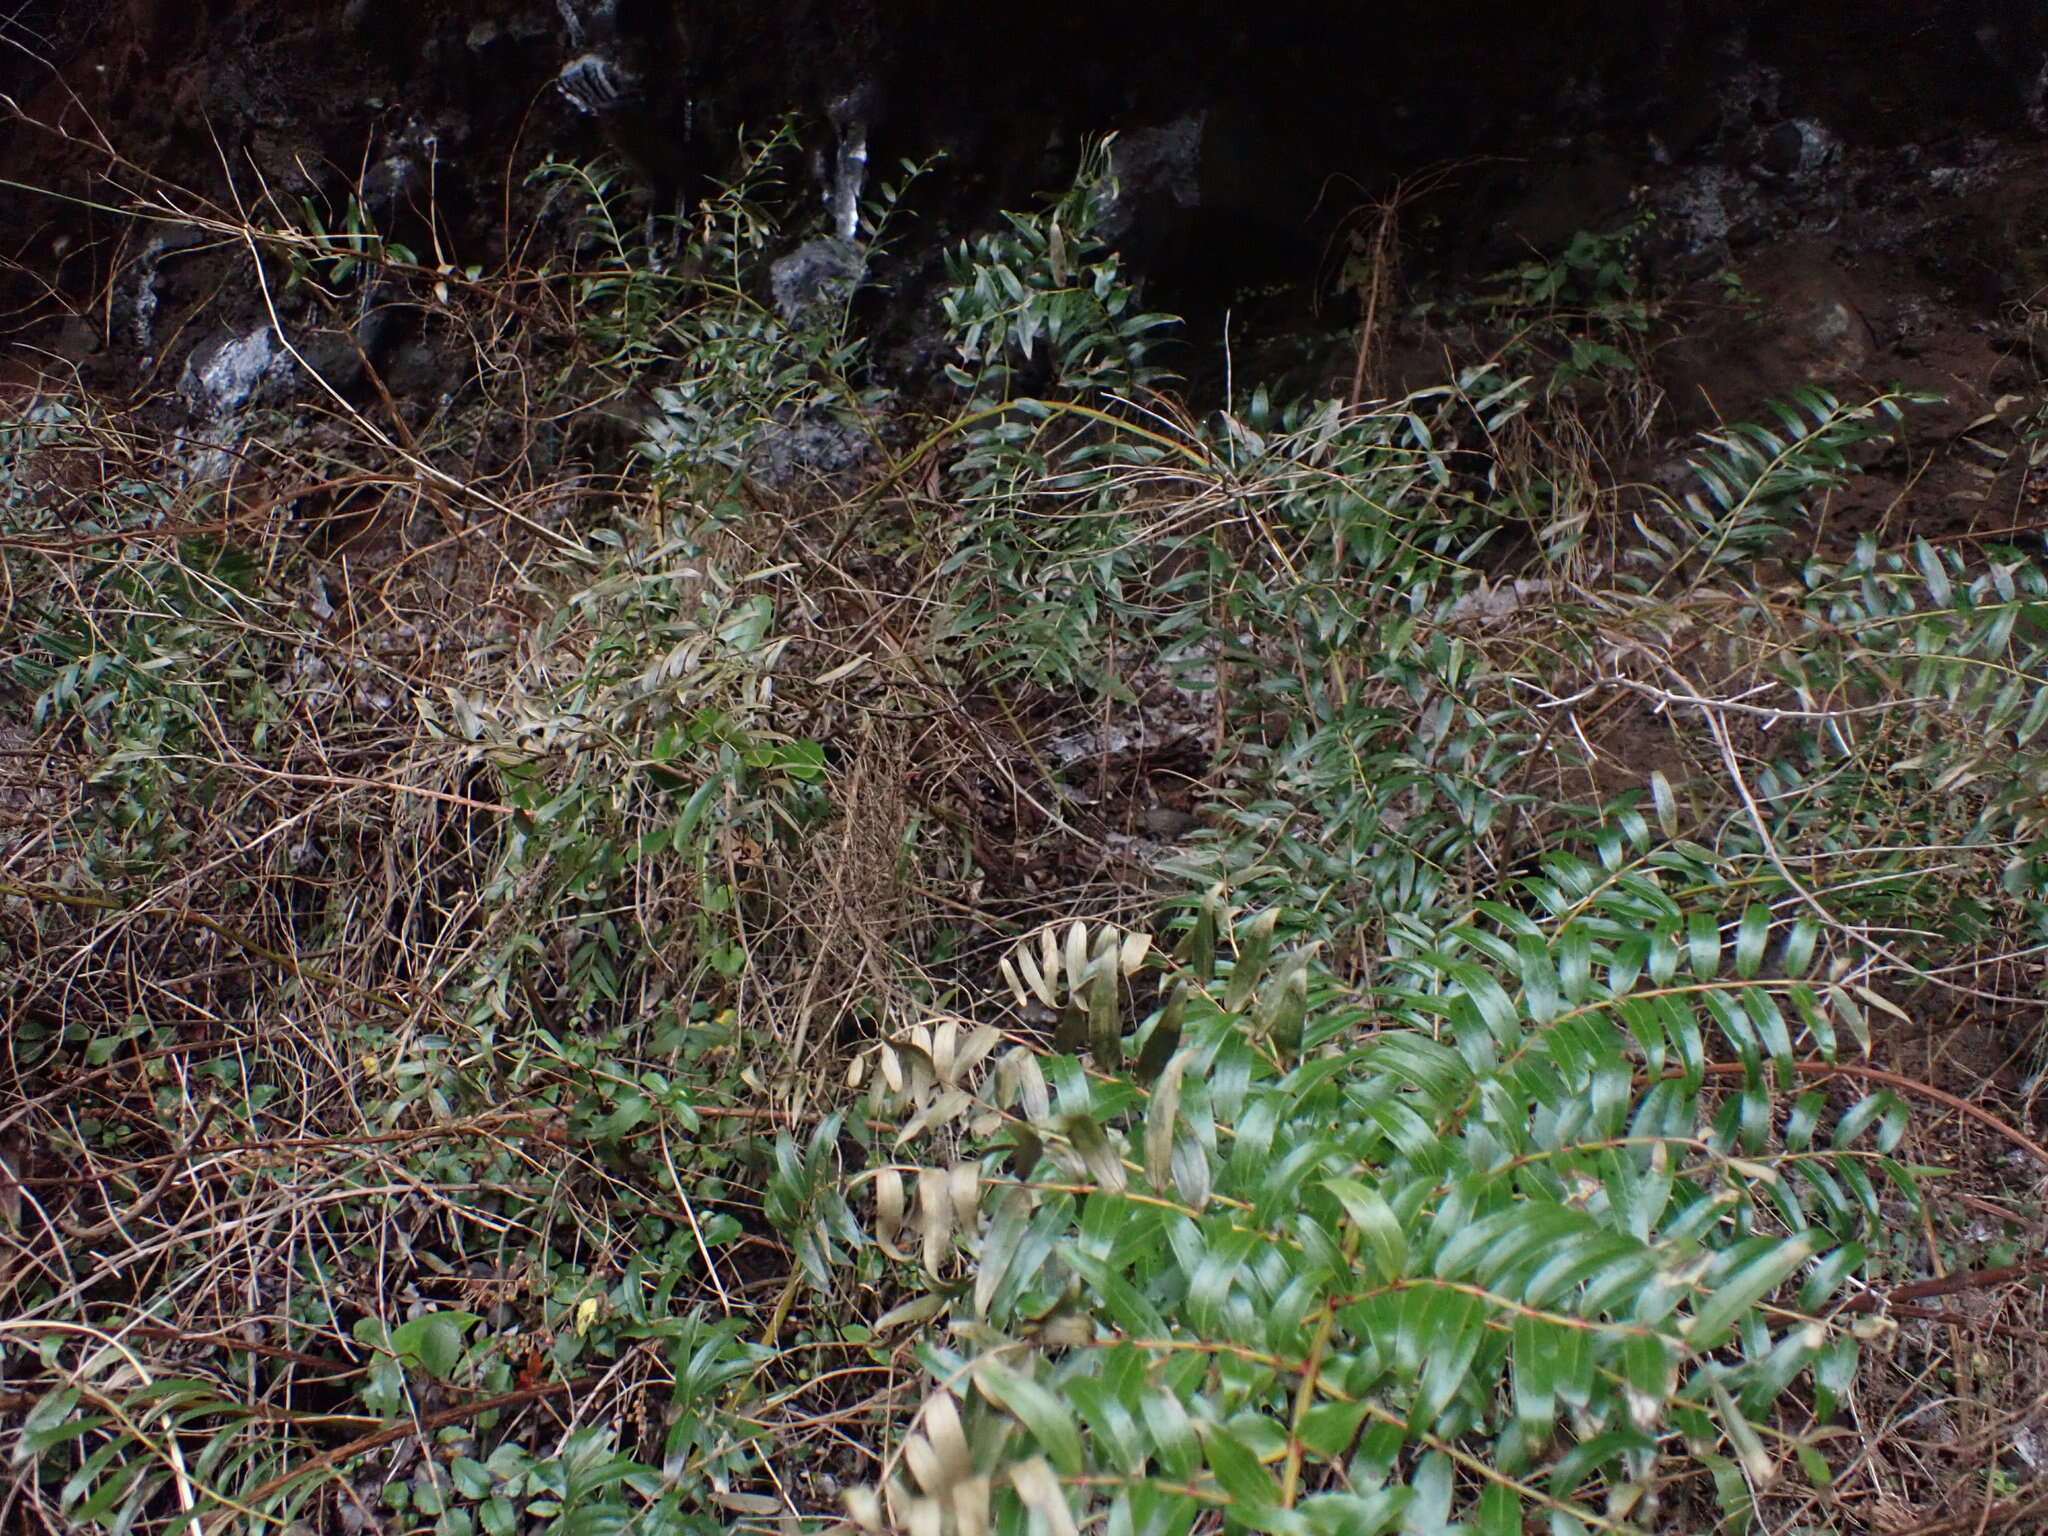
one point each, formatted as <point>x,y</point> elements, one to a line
<point>1499,1171</point>
<point>1497,1245</point>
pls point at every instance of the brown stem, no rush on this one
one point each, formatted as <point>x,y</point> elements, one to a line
<point>1987,1325</point>
<point>1825,1069</point>
<point>150,1196</point>
<point>2024,1513</point>
<point>1946,1285</point>
<point>392,1432</point>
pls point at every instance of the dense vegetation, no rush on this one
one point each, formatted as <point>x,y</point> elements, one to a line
<point>1031,961</point>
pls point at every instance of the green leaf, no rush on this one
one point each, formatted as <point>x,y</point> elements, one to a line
<point>1174,1439</point>
<point>48,1423</point>
<point>1198,948</point>
<point>1752,936</point>
<point>1105,1037</point>
<point>1113,1427</point>
<point>1535,1360</point>
<point>1163,1039</point>
<point>1495,1009</point>
<point>1648,1364</point>
<point>1742,1435</point>
<point>1455,1326</point>
<point>1283,1005</point>
<point>1802,1119</point>
<point>1161,1115</point>
<point>1539,978</point>
<point>433,1341</point>
<point>472,1480</point>
<point>1575,962</point>
<point>1500,1511</point>
<point>1703,945</point>
<point>1222,1261</point>
<point>88,1501</point>
<point>1815,1465</point>
<point>1042,1414</point>
<point>1828,1273</point>
<point>1386,1245</point>
<point>1747,1283</point>
<point>1105,1164</point>
<point>1769,1019</point>
<point>1328,1428</point>
<point>1193,1177</point>
<point>1002,1246</point>
<point>1250,1486</point>
<point>1250,965</point>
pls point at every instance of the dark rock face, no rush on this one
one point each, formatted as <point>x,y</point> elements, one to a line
<point>1249,128</point>
<point>1250,120</point>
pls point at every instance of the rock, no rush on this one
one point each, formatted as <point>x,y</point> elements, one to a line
<point>1797,148</point>
<point>225,376</point>
<point>77,339</point>
<point>2011,375</point>
<point>597,85</point>
<point>1838,340</point>
<point>389,185</point>
<point>1159,167</point>
<point>814,447</point>
<point>1167,824</point>
<point>334,359</point>
<point>815,280</point>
